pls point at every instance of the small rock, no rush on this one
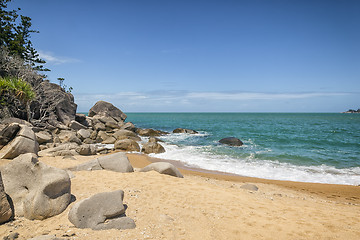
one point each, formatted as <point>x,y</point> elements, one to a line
<point>250,187</point>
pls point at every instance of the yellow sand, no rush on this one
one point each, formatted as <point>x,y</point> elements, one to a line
<point>205,206</point>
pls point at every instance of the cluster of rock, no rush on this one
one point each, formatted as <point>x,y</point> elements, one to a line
<point>352,111</point>
<point>34,190</point>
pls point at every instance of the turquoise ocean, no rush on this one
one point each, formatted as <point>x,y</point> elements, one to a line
<point>306,147</point>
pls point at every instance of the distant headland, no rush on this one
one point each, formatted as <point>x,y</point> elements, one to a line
<point>352,111</point>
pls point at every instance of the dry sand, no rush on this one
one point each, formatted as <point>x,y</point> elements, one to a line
<point>205,205</point>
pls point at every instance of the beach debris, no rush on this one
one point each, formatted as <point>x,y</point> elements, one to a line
<point>6,213</point>
<point>232,141</point>
<point>152,146</point>
<point>250,187</point>
<point>184,130</point>
<point>117,162</point>
<point>37,190</point>
<point>128,145</point>
<point>101,211</point>
<point>24,141</point>
<point>163,168</point>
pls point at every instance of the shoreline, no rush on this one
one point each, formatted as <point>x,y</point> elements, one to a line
<point>348,194</point>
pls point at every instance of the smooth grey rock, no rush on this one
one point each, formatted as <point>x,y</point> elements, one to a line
<point>118,134</point>
<point>127,145</point>
<point>6,213</point>
<point>108,110</point>
<point>83,134</point>
<point>99,126</point>
<point>109,140</point>
<point>117,162</point>
<point>101,211</point>
<point>163,168</point>
<point>37,190</point>
<point>152,147</point>
<point>250,187</point>
<point>184,130</point>
<point>54,151</point>
<point>24,142</point>
<point>129,126</point>
<point>232,141</point>
<point>43,137</point>
<point>76,125</point>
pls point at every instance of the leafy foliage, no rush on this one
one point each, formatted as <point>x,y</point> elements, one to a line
<point>15,32</point>
<point>16,88</point>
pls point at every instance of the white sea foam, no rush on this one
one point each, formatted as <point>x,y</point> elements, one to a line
<point>197,156</point>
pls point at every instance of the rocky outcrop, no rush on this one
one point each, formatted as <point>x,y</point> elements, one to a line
<point>148,132</point>
<point>163,168</point>
<point>41,191</point>
<point>128,145</point>
<point>152,146</point>
<point>117,162</point>
<point>101,211</point>
<point>23,142</point>
<point>231,141</point>
<point>106,109</point>
<point>6,213</point>
<point>184,130</point>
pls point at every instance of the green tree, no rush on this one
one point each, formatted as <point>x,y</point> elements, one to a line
<point>15,33</point>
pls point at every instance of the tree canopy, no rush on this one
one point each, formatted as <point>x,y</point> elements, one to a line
<point>15,33</point>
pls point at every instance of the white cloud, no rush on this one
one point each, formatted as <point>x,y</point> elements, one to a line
<point>56,60</point>
<point>201,101</point>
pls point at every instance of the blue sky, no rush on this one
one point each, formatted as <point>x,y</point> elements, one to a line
<point>203,56</point>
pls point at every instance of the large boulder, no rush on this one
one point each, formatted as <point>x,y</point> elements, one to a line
<point>83,134</point>
<point>6,213</point>
<point>53,104</point>
<point>43,137</point>
<point>231,141</point>
<point>23,142</point>
<point>65,149</point>
<point>128,145</point>
<point>66,136</point>
<point>106,109</point>
<point>152,146</point>
<point>37,190</point>
<point>8,133</point>
<point>163,168</point>
<point>86,149</point>
<point>184,130</point>
<point>117,162</point>
<point>76,125</point>
<point>101,211</point>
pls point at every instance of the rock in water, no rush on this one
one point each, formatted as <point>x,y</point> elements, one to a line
<point>101,211</point>
<point>23,142</point>
<point>37,190</point>
<point>163,168</point>
<point>232,141</point>
<point>184,130</point>
<point>6,212</point>
<point>106,109</point>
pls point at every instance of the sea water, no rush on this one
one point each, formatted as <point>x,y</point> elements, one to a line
<point>307,147</point>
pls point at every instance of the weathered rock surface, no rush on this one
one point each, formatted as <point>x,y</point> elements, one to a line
<point>86,149</point>
<point>163,168</point>
<point>129,126</point>
<point>108,110</point>
<point>68,136</point>
<point>152,147</point>
<point>127,145</point>
<point>101,211</point>
<point>43,137</point>
<point>8,133</point>
<point>117,162</point>
<point>184,130</point>
<point>76,125</point>
<point>65,149</point>
<point>37,190</point>
<point>83,134</point>
<point>23,142</point>
<point>232,141</point>
<point>6,213</point>
<point>148,132</point>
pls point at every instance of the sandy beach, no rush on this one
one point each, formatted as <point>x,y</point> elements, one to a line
<point>204,205</point>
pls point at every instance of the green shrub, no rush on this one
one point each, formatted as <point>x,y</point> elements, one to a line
<point>16,87</point>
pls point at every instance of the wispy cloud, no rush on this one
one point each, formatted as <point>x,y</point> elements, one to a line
<point>188,101</point>
<point>56,60</point>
